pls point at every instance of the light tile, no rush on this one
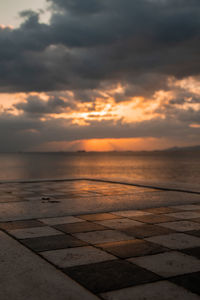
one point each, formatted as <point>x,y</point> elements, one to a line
<point>34,232</point>
<point>65,258</point>
<point>181,225</point>
<point>100,237</point>
<point>119,223</point>
<point>176,240</point>
<point>185,215</point>
<point>168,264</point>
<point>61,220</point>
<point>131,213</point>
<point>25,275</point>
<point>162,290</point>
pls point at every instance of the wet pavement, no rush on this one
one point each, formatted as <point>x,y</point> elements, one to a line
<point>95,240</point>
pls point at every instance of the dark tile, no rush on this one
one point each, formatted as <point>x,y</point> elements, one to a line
<point>194,232</point>
<point>196,220</point>
<point>146,230</point>
<point>153,219</point>
<point>79,227</point>
<point>192,251</point>
<point>190,282</point>
<point>126,249</point>
<point>98,217</point>
<point>10,198</point>
<point>161,210</point>
<point>111,275</point>
<point>20,224</point>
<point>52,243</point>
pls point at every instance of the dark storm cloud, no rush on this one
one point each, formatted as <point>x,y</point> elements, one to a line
<point>91,42</point>
<point>78,6</point>
<point>35,105</point>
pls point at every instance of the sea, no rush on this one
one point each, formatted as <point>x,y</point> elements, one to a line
<point>159,166</point>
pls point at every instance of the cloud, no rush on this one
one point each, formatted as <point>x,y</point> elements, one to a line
<point>25,132</point>
<point>36,105</point>
<point>93,56</point>
<point>93,42</point>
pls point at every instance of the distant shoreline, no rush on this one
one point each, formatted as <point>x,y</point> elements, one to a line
<point>168,150</point>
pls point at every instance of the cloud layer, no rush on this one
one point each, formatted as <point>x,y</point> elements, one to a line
<point>148,47</point>
<point>92,41</point>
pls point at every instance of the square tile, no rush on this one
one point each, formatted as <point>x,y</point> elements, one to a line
<point>79,227</point>
<point>187,207</point>
<point>100,237</point>
<point>53,242</point>
<point>196,220</point>
<point>20,224</point>
<point>146,230</point>
<point>185,215</point>
<point>131,213</point>
<point>61,220</point>
<point>154,219</point>
<point>194,232</point>
<point>119,223</point>
<point>65,258</point>
<point>181,225</point>
<point>192,251</point>
<point>168,264</point>
<point>162,290</point>
<point>126,249</point>
<point>34,232</point>
<point>111,275</point>
<point>98,217</point>
<point>161,210</point>
<point>190,282</point>
<point>176,240</point>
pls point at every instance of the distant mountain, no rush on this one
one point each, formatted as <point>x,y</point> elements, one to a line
<point>190,148</point>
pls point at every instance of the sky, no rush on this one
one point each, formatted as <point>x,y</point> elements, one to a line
<point>99,75</point>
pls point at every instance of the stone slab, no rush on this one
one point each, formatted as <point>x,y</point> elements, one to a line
<point>34,232</point>
<point>133,248</point>
<point>105,236</point>
<point>162,290</point>
<point>77,256</point>
<point>119,223</point>
<point>110,275</point>
<point>181,225</point>
<point>176,240</point>
<point>47,243</point>
<point>168,264</point>
<point>25,275</point>
<point>131,213</point>
<point>185,215</point>
<point>61,220</point>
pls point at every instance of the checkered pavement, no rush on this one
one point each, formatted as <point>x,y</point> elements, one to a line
<point>136,254</point>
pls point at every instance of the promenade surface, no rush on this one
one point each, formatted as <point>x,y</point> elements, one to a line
<point>81,239</point>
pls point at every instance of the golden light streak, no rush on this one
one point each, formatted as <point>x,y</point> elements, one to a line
<point>194,125</point>
<point>105,145</point>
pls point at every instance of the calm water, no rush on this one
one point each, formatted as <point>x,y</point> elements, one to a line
<point>180,166</point>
